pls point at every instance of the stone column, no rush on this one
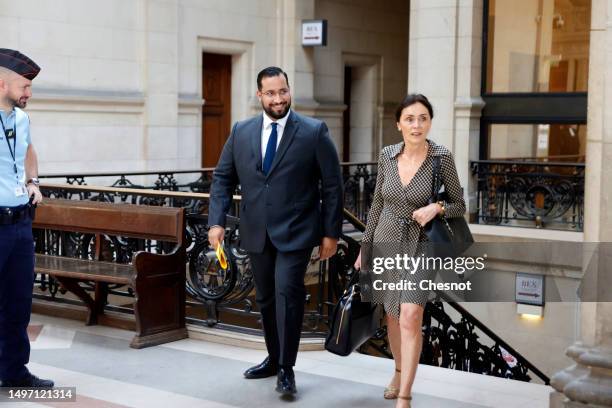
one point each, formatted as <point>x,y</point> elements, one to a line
<point>294,59</point>
<point>468,103</point>
<point>432,61</point>
<point>445,65</point>
<point>564,377</point>
<point>589,383</point>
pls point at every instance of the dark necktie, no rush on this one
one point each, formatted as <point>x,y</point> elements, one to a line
<point>270,149</point>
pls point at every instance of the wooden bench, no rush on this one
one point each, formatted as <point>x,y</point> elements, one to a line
<point>158,280</point>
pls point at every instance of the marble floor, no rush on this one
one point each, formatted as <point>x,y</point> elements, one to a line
<point>195,373</point>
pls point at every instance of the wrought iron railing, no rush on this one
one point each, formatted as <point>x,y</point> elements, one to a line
<point>359,182</point>
<point>465,345</point>
<point>223,292</point>
<point>457,345</point>
<point>510,193</point>
<point>530,193</point>
<point>447,343</point>
<point>195,180</point>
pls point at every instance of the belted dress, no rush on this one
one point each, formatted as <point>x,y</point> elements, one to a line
<point>390,227</point>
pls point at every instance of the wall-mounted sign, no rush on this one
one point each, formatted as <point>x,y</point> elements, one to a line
<point>314,33</point>
<point>529,289</point>
<point>543,132</point>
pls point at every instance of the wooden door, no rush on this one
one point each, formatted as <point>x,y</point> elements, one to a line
<point>216,115</point>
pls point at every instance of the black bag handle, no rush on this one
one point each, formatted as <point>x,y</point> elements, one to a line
<point>437,182</point>
<point>354,278</point>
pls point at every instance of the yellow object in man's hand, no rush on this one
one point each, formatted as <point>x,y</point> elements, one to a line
<point>221,256</point>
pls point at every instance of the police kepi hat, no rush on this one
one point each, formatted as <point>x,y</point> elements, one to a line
<point>19,63</point>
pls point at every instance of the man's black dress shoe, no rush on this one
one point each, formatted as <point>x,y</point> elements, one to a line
<point>266,369</point>
<point>31,381</point>
<point>285,381</point>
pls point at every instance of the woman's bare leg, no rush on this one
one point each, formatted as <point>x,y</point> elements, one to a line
<point>410,324</point>
<point>393,333</point>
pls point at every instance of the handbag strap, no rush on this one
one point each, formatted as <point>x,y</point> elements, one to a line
<point>354,279</point>
<point>437,182</point>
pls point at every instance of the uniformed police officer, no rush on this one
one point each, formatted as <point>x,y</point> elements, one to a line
<point>18,193</point>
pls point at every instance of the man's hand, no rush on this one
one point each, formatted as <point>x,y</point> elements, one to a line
<point>215,236</point>
<point>327,248</point>
<point>425,214</point>
<point>35,192</point>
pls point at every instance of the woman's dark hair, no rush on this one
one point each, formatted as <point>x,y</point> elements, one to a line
<point>411,99</point>
<point>270,72</point>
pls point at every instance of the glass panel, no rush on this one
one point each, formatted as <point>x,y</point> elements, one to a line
<point>541,142</point>
<point>538,45</point>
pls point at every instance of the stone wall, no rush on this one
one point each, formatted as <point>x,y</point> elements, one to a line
<point>121,84</point>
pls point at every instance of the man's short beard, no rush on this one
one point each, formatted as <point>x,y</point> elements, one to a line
<point>17,104</point>
<point>14,103</point>
<point>275,115</point>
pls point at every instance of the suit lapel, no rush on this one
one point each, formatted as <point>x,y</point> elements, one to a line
<point>255,132</point>
<point>288,135</point>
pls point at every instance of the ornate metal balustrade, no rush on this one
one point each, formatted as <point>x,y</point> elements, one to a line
<point>447,343</point>
<point>465,345</point>
<point>457,345</point>
<point>530,193</point>
<point>206,283</point>
<point>359,182</point>
<point>194,180</point>
<point>223,292</point>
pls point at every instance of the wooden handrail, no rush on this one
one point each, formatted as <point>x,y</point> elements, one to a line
<point>354,221</point>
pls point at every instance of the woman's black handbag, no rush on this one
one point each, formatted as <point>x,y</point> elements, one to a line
<point>353,321</point>
<point>448,237</point>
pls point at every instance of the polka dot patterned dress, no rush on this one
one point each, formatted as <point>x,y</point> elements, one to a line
<point>390,223</point>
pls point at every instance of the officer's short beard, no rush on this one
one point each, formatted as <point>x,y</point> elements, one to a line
<point>19,103</point>
<point>15,103</point>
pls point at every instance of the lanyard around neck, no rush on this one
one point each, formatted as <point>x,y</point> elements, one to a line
<point>12,133</point>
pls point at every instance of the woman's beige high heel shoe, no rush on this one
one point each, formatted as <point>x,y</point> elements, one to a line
<point>391,392</point>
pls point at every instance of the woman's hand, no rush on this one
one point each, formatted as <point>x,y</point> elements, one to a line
<point>425,214</point>
<point>358,261</point>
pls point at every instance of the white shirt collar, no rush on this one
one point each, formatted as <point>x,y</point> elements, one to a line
<point>267,122</point>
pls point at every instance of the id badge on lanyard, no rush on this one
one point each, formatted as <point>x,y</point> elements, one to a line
<point>20,188</point>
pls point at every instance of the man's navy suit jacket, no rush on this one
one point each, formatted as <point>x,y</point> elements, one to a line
<point>300,199</point>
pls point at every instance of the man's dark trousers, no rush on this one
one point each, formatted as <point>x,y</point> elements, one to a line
<point>279,280</point>
<point>16,284</point>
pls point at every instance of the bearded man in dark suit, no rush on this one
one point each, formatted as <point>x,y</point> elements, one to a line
<point>291,185</point>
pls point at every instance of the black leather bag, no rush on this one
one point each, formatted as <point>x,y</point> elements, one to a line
<point>353,321</point>
<point>448,237</point>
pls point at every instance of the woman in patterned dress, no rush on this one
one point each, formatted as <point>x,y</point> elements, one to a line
<point>400,208</point>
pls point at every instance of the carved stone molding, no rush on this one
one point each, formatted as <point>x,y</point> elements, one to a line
<point>564,377</point>
<point>87,100</point>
